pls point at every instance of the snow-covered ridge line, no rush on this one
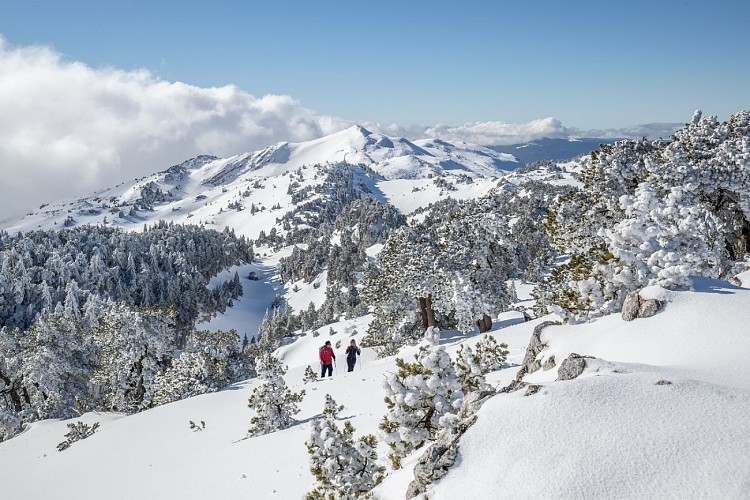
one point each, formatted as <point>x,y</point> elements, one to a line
<point>201,189</point>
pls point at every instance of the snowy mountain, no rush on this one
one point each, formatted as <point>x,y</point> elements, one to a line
<point>624,375</point>
<point>213,191</point>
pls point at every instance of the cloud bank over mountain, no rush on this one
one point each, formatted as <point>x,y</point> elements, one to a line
<point>69,128</point>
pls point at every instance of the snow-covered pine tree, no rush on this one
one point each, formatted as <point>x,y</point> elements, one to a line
<point>468,370</point>
<point>133,346</point>
<point>477,255</point>
<point>422,398</point>
<point>310,375</point>
<point>662,242</point>
<point>345,469</point>
<point>473,364</point>
<point>273,402</point>
<point>185,377</point>
<point>490,355</point>
<point>56,363</point>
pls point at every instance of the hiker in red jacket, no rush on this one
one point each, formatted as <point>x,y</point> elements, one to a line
<point>327,357</point>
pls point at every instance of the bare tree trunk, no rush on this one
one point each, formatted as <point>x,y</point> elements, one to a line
<point>423,312</point>
<point>430,312</point>
<point>487,323</point>
<point>484,324</point>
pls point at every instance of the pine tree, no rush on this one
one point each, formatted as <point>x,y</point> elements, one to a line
<point>310,375</point>
<point>422,398</point>
<point>345,469</point>
<point>473,365</point>
<point>273,402</point>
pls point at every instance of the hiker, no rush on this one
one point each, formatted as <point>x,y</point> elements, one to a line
<point>327,357</point>
<point>351,355</point>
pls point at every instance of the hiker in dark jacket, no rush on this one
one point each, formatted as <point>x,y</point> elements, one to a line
<point>326,359</point>
<point>351,355</point>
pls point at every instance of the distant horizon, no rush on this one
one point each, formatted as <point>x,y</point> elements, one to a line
<point>96,93</point>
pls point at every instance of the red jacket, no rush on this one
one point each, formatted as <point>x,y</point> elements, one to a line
<point>326,355</point>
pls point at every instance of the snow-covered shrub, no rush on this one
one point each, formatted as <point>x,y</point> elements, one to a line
<point>273,402</point>
<point>310,375</point>
<point>186,377</point>
<point>422,398</point>
<point>134,346</point>
<point>468,370</point>
<point>473,365</point>
<point>662,242</point>
<point>345,469</point>
<point>651,213</point>
<point>210,361</point>
<point>76,432</point>
<point>490,355</point>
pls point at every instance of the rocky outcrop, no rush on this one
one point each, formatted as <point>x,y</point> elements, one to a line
<point>532,389</point>
<point>530,363</point>
<point>441,455</point>
<point>549,363</point>
<point>636,306</point>
<point>571,367</point>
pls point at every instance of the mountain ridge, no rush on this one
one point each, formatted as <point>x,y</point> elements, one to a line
<point>204,187</point>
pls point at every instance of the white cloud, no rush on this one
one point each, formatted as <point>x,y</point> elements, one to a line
<point>498,133</point>
<point>650,130</point>
<point>68,129</point>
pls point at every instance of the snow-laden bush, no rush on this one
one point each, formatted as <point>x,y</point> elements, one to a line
<point>473,364</point>
<point>273,402</point>
<point>76,432</point>
<point>490,355</point>
<point>344,468</point>
<point>662,242</point>
<point>211,361</point>
<point>310,375</point>
<point>422,398</point>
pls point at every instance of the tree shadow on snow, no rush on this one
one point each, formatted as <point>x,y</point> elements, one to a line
<point>708,285</point>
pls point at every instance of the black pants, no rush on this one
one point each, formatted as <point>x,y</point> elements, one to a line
<point>350,363</point>
<point>323,369</point>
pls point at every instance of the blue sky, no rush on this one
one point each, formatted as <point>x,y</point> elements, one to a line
<point>589,64</point>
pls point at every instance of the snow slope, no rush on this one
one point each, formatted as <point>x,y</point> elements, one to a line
<point>219,192</point>
<point>662,414</point>
<point>611,433</point>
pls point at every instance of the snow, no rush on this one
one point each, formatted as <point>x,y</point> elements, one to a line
<point>612,435</point>
<point>613,432</point>
<point>257,296</point>
<point>201,192</point>
<point>609,433</point>
<point>307,293</point>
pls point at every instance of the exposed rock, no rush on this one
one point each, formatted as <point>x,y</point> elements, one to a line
<point>571,367</point>
<point>532,389</point>
<point>649,308</point>
<point>663,382</point>
<point>530,364</point>
<point>630,306</point>
<point>438,458</point>
<point>473,401</point>
<point>549,363</point>
<point>513,386</point>
<point>636,306</point>
<point>734,280</point>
